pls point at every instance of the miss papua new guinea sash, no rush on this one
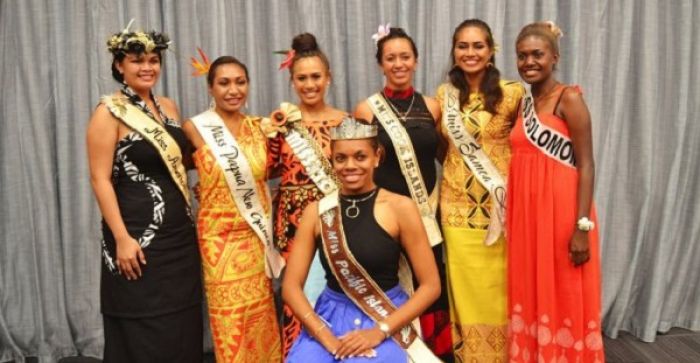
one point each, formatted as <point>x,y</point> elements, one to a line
<point>476,160</point>
<point>358,285</point>
<point>241,183</point>
<point>409,164</point>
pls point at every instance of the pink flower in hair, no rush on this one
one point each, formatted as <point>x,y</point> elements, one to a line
<point>382,31</point>
<point>287,62</point>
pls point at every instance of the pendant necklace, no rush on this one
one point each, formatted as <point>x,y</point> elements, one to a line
<point>402,115</point>
<point>353,210</point>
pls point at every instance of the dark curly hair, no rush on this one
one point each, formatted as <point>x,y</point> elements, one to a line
<point>123,43</point>
<point>394,33</point>
<point>489,86</point>
<point>226,59</point>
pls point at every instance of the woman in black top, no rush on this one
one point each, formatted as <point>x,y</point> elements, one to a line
<point>397,57</point>
<point>151,287</point>
<point>378,225</point>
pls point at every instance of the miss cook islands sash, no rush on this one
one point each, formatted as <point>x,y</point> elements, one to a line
<point>241,183</point>
<point>358,285</point>
<point>476,160</point>
<point>155,134</point>
<point>409,165</point>
<point>306,149</point>
<point>548,140</point>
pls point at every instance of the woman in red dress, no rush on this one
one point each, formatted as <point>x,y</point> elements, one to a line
<point>553,256</point>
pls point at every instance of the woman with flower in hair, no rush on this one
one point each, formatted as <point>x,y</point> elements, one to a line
<point>234,219</point>
<point>479,107</point>
<point>408,131</point>
<point>151,277</point>
<point>310,77</point>
<point>553,260</point>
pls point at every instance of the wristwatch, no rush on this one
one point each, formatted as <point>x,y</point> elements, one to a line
<point>584,224</point>
<point>384,328</point>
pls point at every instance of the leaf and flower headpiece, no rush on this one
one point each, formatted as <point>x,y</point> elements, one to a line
<point>127,41</point>
<point>382,32</point>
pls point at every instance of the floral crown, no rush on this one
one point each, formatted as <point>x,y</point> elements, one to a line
<point>137,42</point>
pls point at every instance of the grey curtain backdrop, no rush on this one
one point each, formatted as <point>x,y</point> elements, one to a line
<point>634,60</point>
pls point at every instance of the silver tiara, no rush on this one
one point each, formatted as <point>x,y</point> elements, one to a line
<point>350,129</point>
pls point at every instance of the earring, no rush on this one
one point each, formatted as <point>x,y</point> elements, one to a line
<point>489,64</point>
<point>212,104</point>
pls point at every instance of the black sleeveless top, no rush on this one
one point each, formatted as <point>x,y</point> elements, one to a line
<point>374,249</point>
<point>420,127</point>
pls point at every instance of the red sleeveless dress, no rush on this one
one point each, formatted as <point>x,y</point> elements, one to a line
<point>554,307</point>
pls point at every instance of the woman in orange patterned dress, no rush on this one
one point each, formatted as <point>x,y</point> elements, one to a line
<point>553,254</point>
<point>239,294</point>
<point>310,77</point>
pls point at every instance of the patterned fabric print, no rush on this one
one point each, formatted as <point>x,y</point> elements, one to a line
<point>480,343</point>
<point>141,104</point>
<point>559,340</point>
<point>464,202</point>
<point>239,295</point>
<point>122,162</point>
<point>296,188</point>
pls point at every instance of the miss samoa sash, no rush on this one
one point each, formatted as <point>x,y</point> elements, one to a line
<point>308,151</point>
<point>358,285</point>
<point>409,165</point>
<point>476,160</point>
<point>241,183</point>
<point>155,134</point>
<point>548,140</point>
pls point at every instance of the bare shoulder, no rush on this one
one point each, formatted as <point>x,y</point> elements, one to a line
<point>433,106</point>
<point>363,111</point>
<point>399,204</point>
<point>192,133</point>
<point>571,96</point>
<point>337,114</point>
<point>102,117</point>
<point>169,107</point>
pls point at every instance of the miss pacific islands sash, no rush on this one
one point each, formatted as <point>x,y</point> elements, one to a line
<point>155,134</point>
<point>241,183</point>
<point>476,160</point>
<point>308,151</point>
<point>358,285</point>
<point>409,165</point>
<point>548,140</point>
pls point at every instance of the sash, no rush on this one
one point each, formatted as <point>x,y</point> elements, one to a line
<point>155,134</point>
<point>476,160</point>
<point>548,140</point>
<point>409,165</point>
<point>308,151</point>
<point>241,183</point>
<point>358,285</point>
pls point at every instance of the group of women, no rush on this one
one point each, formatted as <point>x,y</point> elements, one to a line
<point>507,219</point>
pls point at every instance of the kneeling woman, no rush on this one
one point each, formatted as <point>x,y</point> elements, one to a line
<point>363,313</point>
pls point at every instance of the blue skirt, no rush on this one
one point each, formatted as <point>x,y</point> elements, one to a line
<point>344,316</point>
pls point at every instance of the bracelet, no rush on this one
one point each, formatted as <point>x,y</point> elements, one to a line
<point>303,318</point>
<point>318,330</point>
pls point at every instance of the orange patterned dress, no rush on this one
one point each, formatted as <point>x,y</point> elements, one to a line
<point>239,295</point>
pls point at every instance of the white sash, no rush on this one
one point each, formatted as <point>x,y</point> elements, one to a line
<point>307,150</point>
<point>476,160</point>
<point>548,140</point>
<point>409,165</point>
<point>241,183</point>
<point>359,286</point>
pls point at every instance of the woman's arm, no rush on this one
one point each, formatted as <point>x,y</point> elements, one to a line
<point>362,111</point>
<point>435,108</point>
<point>102,136</point>
<point>574,110</point>
<point>414,240</point>
<point>295,275</point>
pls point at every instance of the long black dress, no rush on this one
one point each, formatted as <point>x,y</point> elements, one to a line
<point>420,127</point>
<point>158,317</point>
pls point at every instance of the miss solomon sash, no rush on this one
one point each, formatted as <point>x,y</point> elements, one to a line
<point>548,140</point>
<point>307,150</point>
<point>358,285</point>
<point>155,134</point>
<point>476,160</point>
<point>409,165</point>
<point>241,183</point>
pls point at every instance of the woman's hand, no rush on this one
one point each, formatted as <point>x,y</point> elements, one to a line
<point>359,343</point>
<point>578,248</point>
<point>129,258</point>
